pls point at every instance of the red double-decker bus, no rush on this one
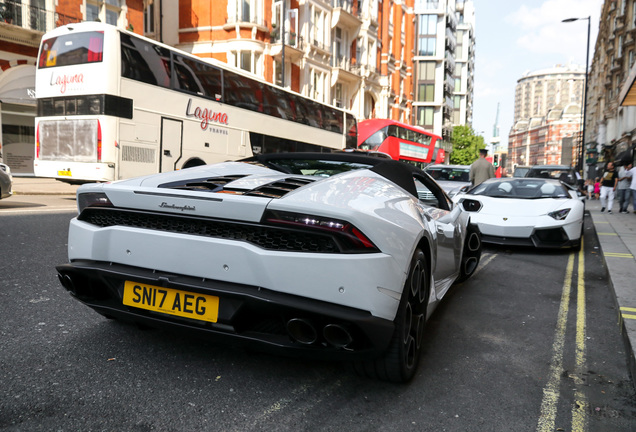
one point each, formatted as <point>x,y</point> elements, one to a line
<point>401,141</point>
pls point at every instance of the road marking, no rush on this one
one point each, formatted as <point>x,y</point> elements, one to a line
<point>608,234</point>
<point>483,263</point>
<point>618,255</point>
<point>551,390</point>
<point>580,407</point>
<point>628,315</point>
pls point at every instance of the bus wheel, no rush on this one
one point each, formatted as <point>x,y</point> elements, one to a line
<point>399,362</point>
<point>192,163</point>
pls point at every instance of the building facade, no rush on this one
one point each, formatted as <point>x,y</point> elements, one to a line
<point>408,60</point>
<point>547,125</point>
<point>611,119</point>
<point>443,65</point>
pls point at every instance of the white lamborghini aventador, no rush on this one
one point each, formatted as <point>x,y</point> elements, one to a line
<point>544,213</point>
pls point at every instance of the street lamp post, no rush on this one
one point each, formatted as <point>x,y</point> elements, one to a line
<point>581,163</point>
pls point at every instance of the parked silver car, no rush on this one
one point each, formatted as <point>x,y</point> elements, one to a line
<point>452,178</point>
<point>6,181</point>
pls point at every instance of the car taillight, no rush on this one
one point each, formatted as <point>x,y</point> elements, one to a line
<point>350,237</point>
<point>92,199</point>
<point>99,141</point>
<point>37,142</point>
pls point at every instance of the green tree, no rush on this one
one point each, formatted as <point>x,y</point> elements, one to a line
<point>466,145</point>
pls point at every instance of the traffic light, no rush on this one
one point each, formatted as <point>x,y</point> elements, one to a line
<point>495,160</point>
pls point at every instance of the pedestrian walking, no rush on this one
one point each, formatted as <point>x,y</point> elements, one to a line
<point>481,169</point>
<point>589,188</point>
<point>597,188</point>
<point>622,189</point>
<point>608,186</point>
<point>632,187</point>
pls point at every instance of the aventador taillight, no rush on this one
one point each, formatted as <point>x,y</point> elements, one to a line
<point>349,236</point>
<point>92,199</point>
<point>559,214</point>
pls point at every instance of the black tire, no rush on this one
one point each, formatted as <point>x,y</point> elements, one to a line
<point>471,253</point>
<point>399,363</point>
<point>577,245</point>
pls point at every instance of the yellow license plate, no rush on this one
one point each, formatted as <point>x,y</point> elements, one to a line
<point>171,301</point>
<point>66,173</point>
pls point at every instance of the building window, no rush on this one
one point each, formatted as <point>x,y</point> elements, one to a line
<point>426,81</point>
<point>245,11</point>
<point>247,60</point>
<point>372,56</point>
<point>319,37</point>
<point>425,117</point>
<point>316,89</point>
<point>427,35</point>
<point>338,96</point>
<point>149,18</point>
<point>108,11</point>
<point>459,48</point>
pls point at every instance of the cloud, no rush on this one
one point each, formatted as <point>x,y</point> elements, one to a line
<point>544,33</point>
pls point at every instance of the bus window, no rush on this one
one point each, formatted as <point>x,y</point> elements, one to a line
<point>374,141</point>
<point>144,62</point>
<point>392,131</point>
<point>185,78</point>
<point>208,76</point>
<point>72,49</point>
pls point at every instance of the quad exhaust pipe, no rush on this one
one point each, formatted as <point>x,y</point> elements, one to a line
<point>305,332</point>
<point>67,283</point>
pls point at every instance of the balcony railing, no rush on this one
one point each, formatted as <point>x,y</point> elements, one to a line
<point>341,62</point>
<point>32,17</point>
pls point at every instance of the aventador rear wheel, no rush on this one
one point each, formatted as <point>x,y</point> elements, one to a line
<point>471,253</point>
<point>399,362</point>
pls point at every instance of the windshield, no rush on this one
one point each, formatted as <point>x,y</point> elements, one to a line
<point>521,189</point>
<point>449,174</point>
<point>313,167</point>
<point>72,49</point>
<point>564,175</point>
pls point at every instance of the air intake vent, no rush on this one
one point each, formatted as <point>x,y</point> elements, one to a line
<point>280,188</point>
<point>276,189</point>
<point>213,184</point>
<point>263,236</point>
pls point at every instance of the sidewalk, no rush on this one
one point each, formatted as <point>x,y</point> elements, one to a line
<point>41,186</point>
<point>616,233</point>
<point>617,236</point>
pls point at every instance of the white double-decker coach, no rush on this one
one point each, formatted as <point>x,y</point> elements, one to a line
<point>114,105</point>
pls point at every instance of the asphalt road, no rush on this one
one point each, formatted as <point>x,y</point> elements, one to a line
<point>527,344</point>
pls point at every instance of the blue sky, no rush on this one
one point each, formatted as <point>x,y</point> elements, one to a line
<point>514,37</point>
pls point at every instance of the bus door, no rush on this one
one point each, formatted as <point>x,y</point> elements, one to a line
<point>171,144</point>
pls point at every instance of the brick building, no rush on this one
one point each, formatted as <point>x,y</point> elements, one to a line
<point>548,118</point>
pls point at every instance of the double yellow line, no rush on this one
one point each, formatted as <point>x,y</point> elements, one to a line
<point>551,392</point>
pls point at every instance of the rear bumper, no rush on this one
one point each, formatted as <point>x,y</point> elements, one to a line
<point>248,315</point>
